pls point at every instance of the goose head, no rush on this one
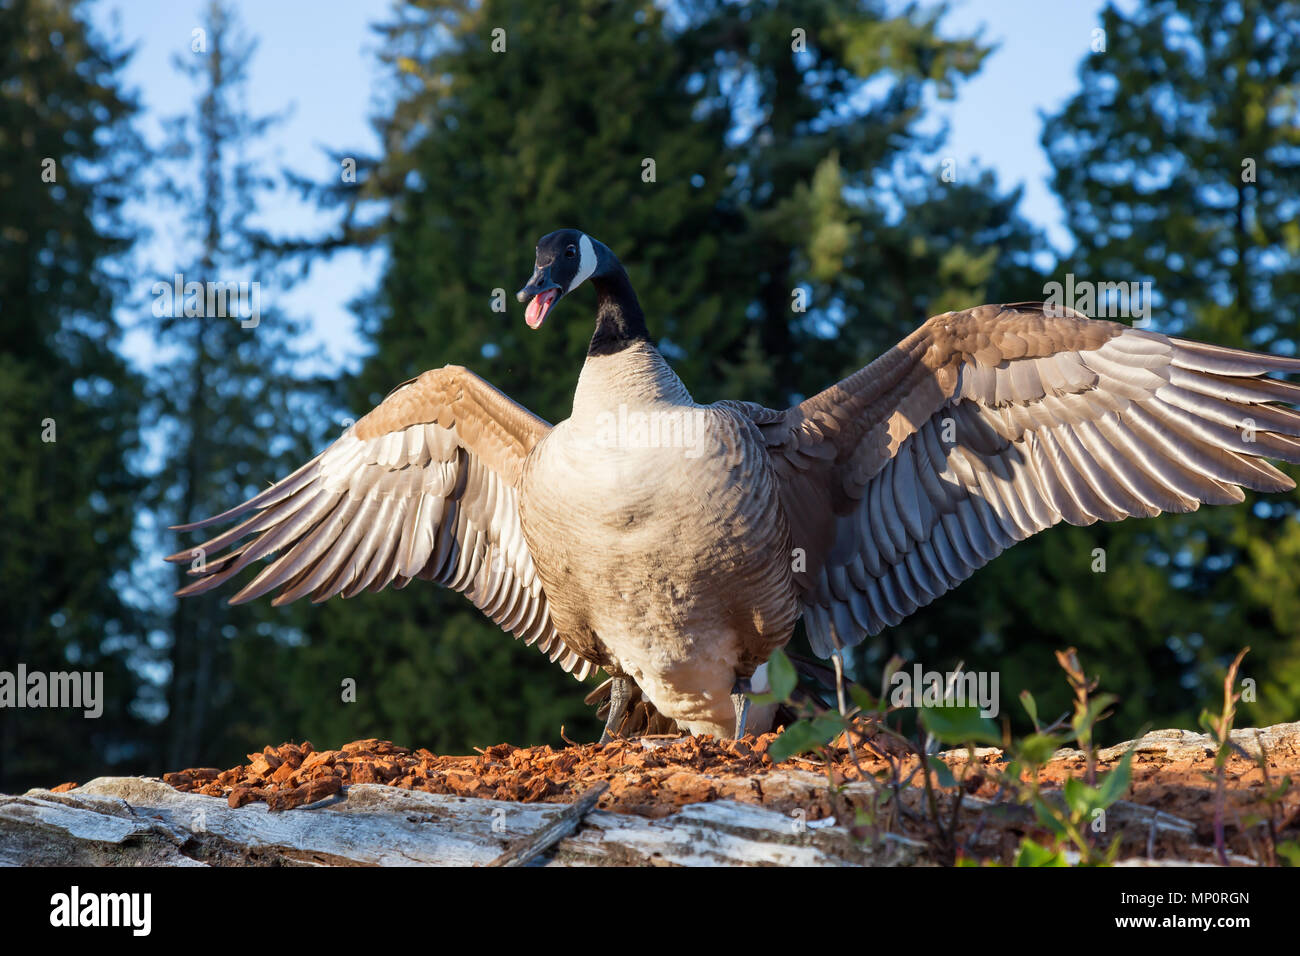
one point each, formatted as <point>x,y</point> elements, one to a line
<point>565,260</point>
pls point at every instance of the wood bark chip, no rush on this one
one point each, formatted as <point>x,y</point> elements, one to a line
<point>656,778</point>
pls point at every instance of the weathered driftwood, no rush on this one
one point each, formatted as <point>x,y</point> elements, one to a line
<point>135,820</point>
<point>1189,745</point>
<point>561,825</point>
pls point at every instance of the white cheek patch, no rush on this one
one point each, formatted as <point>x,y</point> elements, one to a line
<point>586,264</point>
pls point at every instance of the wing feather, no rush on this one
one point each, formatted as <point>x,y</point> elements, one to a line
<point>986,426</point>
<point>425,485</point>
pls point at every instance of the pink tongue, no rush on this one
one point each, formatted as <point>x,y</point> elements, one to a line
<point>538,307</point>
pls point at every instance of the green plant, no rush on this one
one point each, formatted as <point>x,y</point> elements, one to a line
<point>1271,798</point>
<point>1071,822</point>
<point>1082,808</point>
<point>1219,726</point>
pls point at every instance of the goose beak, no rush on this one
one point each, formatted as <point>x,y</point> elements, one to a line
<point>543,294</point>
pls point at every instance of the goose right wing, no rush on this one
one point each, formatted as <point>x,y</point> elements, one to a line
<point>986,426</point>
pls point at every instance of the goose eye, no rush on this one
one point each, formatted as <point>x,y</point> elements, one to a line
<point>570,252</point>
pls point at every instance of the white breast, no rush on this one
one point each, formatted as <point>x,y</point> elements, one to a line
<point>655,526</point>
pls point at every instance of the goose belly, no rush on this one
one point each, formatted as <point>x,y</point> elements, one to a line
<point>670,568</point>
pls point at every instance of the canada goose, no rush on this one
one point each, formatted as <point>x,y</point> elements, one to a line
<point>676,545</point>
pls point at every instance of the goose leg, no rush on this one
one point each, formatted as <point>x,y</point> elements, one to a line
<point>618,697</point>
<point>740,701</point>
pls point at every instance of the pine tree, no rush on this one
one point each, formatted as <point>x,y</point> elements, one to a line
<point>844,199</point>
<point>823,101</point>
<point>233,404</point>
<point>1177,165</point>
<point>503,128</point>
<point>68,402</point>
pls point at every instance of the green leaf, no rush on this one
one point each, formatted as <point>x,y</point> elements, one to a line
<point>960,725</point>
<point>1032,854</point>
<point>1048,816</point>
<point>781,675</point>
<point>892,667</point>
<point>1289,850</point>
<point>1116,783</point>
<point>1031,706</point>
<point>796,739</point>
<point>1282,789</point>
<point>805,735</point>
<point>1079,797</point>
<point>862,697</point>
<point>1037,749</point>
<point>1083,723</point>
<point>1207,721</point>
<point>942,772</point>
<point>828,727</point>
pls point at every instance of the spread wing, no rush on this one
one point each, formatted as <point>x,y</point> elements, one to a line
<point>988,425</point>
<point>425,485</point>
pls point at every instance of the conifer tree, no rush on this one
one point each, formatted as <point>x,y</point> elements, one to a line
<point>68,425</point>
<point>503,126</point>
<point>1177,163</point>
<point>230,395</point>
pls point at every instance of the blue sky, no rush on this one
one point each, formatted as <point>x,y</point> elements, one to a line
<point>317,57</point>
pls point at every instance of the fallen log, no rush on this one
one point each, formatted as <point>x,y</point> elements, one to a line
<point>128,821</point>
<point>113,821</point>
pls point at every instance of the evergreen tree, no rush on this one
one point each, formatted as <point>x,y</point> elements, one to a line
<point>232,402</point>
<point>1177,165</point>
<point>823,101</point>
<point>503,128</point>
<point>68,423</point>
<point>841,196</point>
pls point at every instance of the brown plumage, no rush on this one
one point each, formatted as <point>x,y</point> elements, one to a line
<point>422,486</point>
<point>679,555</point>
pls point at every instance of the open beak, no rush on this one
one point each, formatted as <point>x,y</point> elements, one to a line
<point>543,294</point>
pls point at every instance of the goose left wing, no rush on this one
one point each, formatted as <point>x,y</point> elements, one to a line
<point>986,426</point>
<point>424,485</point>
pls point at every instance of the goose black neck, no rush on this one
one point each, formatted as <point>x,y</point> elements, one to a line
<point>619,319</point>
